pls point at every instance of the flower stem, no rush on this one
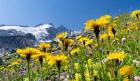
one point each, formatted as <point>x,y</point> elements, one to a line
<point>42,78</point>
<point>58,66</point>
<point>41,63</point>
<point>28,70</point>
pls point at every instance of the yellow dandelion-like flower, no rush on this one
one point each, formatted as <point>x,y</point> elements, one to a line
<point>61,36</point>
<point>60,44</point>
<point>103,36</point>
<point>106,36</point>
<point>93,25</point>
<point>78,37</point>
<point>43,46</point>
<point>68,42</point>
<point>132,26</point>
<point>90,24</point>
<point>57,59</point>
<point>61,58</point>
<point>116,56</point>
<point>111,30</point>
<point>75,51</point>
<point>126,70</point>
<point>50,60</point>
<point>103,20</point>
<point>135,13</point>
<point>43,55</point>
<point>83,40</point>
<point>31,52</point>
<point>89,42</point>
<point>110,35</point>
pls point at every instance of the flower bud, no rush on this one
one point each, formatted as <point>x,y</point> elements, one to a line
<point>123,41</point>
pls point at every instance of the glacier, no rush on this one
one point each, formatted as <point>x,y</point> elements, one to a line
<point>38,31</point>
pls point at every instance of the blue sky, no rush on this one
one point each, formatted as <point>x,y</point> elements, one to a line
<point>70,13</point>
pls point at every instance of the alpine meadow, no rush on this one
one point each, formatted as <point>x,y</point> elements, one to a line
<point>107,49</point>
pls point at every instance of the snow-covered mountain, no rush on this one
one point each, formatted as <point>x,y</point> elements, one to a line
<point>37,31</point>
<point>13,36</point>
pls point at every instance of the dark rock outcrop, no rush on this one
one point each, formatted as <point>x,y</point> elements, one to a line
<point>12,42</point>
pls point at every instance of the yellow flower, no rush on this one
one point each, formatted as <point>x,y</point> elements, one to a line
<point>132,26</point>
<point>89,42</point>
<point>61,36</point>
<point>90,63</point>
<point>68,42</point>
<point>126,70</point>
<point>78,37</point>
<point>83,40</point>
<point>44,55</point>
<point>16,62</point>
<point>111,30</point>
<point>61,58</point>
<point>75,51</point>
<point>50,60</point>
<point>57,59</point>
<point>77,66</point>
<point>126,79</point>
<point>103,36</point>
<point>106,36</point>
<point>116,56</point>
<point>77,77</point>
<point>135,13</point>
<point>94,25</point>
<point>28,52</point>
<point>43,46</point>
<point>86,73</point>
<point>103,20</point>
<point>90,24</point>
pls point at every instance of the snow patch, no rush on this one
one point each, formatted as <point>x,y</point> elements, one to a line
<point>37,31</point>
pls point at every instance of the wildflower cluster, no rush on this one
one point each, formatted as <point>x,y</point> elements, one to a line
<point>107,50</point>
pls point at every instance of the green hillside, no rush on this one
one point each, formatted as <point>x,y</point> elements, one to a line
<point>107,50</point>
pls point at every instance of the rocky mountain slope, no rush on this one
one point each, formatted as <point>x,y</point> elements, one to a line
<point>12,37</point>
